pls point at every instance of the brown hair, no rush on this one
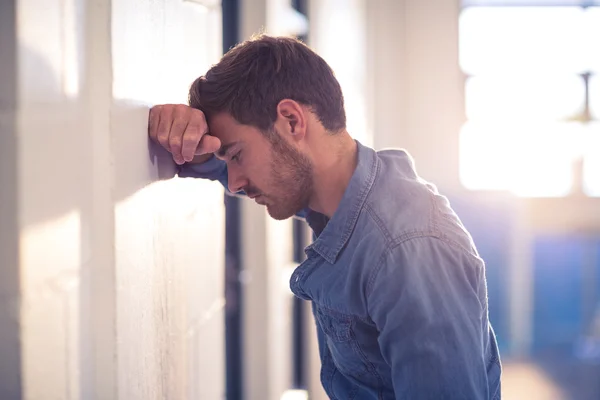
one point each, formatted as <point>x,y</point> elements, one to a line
<point>254,76</point>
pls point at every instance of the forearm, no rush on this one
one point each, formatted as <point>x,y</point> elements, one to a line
<point>210,168</point>
<point>201,159</point>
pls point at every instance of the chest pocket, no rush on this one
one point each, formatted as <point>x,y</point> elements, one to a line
<point>344,349</point>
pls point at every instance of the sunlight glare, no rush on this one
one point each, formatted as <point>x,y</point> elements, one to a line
<point>517,39</point>
<point>591,164</point>
<point>524,97</point>
<point>592,27</point>
<point>529,160</point>
<point>595,97</point>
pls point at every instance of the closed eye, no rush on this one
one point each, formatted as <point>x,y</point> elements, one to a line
<point>236,156</point>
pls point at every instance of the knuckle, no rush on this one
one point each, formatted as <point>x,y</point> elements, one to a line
<point>198,127</point>
<point>179,125</point>
<point>193,131</point>
<point>180,110</point>
<point>164,141</point>
<point>196,114</point>
<point>175,141</point>
<point>156,111</point>
<point>190,140</point>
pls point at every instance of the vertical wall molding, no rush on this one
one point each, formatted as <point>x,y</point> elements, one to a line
<point>10,330</point>
<point>99,285</point>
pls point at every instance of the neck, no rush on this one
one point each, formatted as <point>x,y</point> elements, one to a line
<point>332,173</point>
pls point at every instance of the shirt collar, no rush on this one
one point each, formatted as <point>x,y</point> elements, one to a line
<point>338,230</point>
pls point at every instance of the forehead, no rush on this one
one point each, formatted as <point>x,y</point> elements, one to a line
<point>228,130</point>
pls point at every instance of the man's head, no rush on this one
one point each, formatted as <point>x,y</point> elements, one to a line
<point>269,100</point>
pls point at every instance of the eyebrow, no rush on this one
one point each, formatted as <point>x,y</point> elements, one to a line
<point>224,149</point>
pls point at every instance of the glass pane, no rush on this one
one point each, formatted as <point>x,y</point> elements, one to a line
<point>519,39</point>
<point>530,160</point>
<point>591,161</point>
<point>595,96</point>
<point>483,155</point>
<point>592,19</point>
<point>524,98</point>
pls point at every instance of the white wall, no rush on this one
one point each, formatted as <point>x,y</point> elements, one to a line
<point>338,33</point>
<point>417,86</point>
<point>118,267</point>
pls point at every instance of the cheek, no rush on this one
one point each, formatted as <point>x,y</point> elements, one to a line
<point>259,174</point>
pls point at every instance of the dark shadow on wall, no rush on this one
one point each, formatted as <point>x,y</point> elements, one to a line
<point>64,178</point>
<point>130,150</point>
<point>10,348</point>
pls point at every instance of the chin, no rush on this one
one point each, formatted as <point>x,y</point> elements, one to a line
<point>278,214</point>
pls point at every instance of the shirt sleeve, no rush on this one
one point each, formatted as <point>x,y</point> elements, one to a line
<point>428,300</point>
<point>213,169</point>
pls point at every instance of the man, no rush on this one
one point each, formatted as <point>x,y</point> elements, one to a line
<point>398,289</point>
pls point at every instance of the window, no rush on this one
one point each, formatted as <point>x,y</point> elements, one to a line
<point>532,97</point>
<point>591,164</point>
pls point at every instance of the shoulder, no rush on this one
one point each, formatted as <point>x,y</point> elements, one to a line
<point>400,202</point>
<point>403,205</point>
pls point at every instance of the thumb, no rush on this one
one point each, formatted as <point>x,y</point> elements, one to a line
<point>208,144</point>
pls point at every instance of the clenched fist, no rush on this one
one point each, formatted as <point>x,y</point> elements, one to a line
<point>183,131</point>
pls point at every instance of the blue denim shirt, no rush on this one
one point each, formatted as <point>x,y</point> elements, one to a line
<point>397,287</point>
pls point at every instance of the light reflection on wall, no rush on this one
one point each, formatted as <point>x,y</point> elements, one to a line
<point>50,50</point>
<point>153,58</point>
<point>72,47</point>
<point>169,275</point>
<point>50,275</point>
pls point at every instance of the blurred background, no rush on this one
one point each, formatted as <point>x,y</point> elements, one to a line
<point>119,280</point>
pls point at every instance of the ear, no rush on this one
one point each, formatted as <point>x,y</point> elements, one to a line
<point>291,119</point>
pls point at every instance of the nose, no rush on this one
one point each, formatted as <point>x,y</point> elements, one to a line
<point>235,180</point>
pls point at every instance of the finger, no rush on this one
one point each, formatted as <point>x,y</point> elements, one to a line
<point>191,137</point>
<point>164,126</point>
<point>181,118</point>
<point>196,128</point>
<point>153,119</point>
<point>208,144</point>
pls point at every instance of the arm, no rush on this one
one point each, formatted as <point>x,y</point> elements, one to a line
<point>212,169</point>
<point>215,170</point>
<point>427,299</point>
<point>183,131</point>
